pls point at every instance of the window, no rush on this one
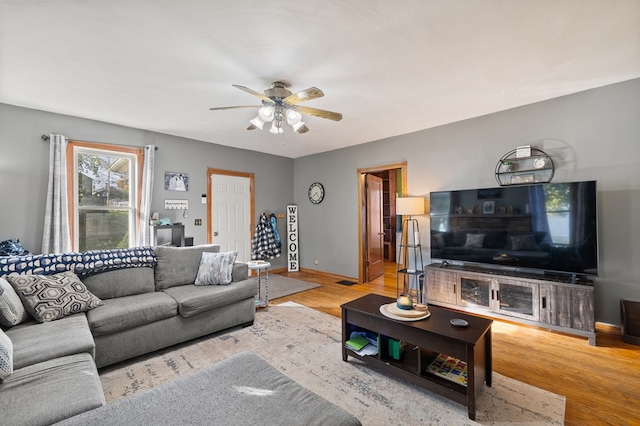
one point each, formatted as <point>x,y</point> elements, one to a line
<point>104,188</point>
<point>558,206</point>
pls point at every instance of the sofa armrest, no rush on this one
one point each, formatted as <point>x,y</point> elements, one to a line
<point>240,272</point>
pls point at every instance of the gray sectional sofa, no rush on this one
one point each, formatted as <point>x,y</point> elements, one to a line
<point>143,309</point>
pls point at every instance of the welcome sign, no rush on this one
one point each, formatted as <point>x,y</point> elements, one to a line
<point>292,238</point>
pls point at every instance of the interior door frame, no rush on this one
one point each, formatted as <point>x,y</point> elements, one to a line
<point>362,207</point>
<point>251,177</point>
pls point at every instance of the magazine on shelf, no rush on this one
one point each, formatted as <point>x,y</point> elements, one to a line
<point>449,368</point>
<point>362,344</point>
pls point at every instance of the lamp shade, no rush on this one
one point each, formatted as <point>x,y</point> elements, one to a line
<point>410,206</point>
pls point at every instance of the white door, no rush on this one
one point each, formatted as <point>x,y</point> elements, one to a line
<point>230,214</point>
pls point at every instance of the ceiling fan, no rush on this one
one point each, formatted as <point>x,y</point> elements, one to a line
<point>280,105</point>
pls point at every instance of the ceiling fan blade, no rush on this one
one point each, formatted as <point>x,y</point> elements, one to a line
<point>303,95</point>
<point>303,129</point>
<point>335,116</point>
<point>234,107</point>
<point>251,127</point>
<point>254,93</point>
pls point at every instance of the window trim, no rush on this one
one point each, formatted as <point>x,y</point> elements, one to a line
<point>71,179</point>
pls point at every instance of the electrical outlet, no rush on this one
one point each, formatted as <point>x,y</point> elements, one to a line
<point>198,222</point>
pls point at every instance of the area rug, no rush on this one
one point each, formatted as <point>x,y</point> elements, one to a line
<point>280,286</point>
<point>305,345</point>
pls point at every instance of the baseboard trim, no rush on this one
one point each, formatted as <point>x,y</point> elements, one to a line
<point>602,327</point>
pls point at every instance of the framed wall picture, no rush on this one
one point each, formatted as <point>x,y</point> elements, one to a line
<point>488,207</point>
<point>484,194</point>
<point>175,181</point>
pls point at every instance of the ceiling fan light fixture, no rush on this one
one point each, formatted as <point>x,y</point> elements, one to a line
<point>275,129</point>
<point>293,116</point>
<point>258,122</point>
<point>266,113</point>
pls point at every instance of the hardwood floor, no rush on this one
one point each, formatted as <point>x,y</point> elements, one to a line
<point>601,383</point>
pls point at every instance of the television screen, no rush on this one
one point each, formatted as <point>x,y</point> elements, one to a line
<point>550,227</point>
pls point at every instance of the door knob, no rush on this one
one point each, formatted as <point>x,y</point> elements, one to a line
<point>215,234</point>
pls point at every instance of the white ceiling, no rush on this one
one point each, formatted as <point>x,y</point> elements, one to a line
<point>390,67</point>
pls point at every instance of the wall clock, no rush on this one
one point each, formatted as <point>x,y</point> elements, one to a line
<point>316,193</point>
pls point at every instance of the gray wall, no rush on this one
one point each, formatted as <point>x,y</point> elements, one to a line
<point>590,135</point>
<point>24,171</point>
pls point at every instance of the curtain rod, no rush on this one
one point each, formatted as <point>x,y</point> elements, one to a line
<point>46,138</point>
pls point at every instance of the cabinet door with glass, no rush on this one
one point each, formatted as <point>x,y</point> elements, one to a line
<point>517,298</point>
<point>475,291</point>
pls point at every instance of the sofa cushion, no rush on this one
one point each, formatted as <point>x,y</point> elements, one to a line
<point>128,312</point>
<point>121,282</point>
<point>193,299</point>
<point>51,391</point>
<point>12,310</point>
<point>179,265</point>
<point>51,297</point>
<point>216,268</point>
<point>6,356</point>
<point>34,342</point>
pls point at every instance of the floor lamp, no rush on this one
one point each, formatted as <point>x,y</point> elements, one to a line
<point>410,241</point>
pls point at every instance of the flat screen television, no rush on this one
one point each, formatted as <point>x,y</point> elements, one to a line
<point>549,227</point>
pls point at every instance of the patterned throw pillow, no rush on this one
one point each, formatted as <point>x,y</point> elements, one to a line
<point>524,243</point>
<point>474,240</point>
<point>51,297</point>
<point>6,356</point>
<point>12,311</point>
<point>216,268</point>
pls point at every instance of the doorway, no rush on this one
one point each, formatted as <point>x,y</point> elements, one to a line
<point>230,211</point>
<point>394,174</point>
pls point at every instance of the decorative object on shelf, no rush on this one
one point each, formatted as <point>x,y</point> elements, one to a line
<point>391,310</point>
<point>404,302</point>
<point>316,193</point>
<point>410,267</point>
<point>523,151</point>
<point>488,207</point>
<point>507,166</point>
<point>524,165</point>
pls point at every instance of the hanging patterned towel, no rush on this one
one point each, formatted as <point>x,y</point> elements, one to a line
<point>263,244</point>
<point>274,228</point>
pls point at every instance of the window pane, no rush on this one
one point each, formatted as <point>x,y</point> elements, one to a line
<point>103,180</point>
<point>103,229</point>
<point>559,227</point>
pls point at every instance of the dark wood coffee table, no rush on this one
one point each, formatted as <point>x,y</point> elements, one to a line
<point>424,339</point>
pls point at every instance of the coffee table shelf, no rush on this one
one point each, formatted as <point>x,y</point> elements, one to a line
<point>424,340</point>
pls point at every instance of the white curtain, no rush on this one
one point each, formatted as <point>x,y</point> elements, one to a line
<point>144,231</point>
<point>56,237</point>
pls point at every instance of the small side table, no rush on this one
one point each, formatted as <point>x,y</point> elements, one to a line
<point>261,267</point>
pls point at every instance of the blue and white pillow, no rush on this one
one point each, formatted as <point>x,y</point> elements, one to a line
<point>216,268</point>
<point>6,356</point>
